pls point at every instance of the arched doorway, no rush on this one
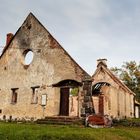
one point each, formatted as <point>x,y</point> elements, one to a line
<point>65,87</point>
<point>98,91</point>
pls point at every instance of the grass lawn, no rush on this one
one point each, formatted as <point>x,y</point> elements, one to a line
<point>13,131</point>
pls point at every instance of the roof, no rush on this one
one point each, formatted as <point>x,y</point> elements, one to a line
<point>86,75</point>
<point>103,67</point>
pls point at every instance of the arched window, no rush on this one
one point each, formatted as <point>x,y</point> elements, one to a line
<point>96,89</point>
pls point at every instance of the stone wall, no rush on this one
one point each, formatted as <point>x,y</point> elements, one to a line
<point>51,64</point>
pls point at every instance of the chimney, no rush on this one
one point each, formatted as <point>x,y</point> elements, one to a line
<point>102,61</point>
<point>9,37</point>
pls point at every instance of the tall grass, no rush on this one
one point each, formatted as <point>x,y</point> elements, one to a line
<point>13,131</point>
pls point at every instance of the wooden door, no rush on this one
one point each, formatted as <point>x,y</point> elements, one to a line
<point>64,101</point>
<point>101,104</point>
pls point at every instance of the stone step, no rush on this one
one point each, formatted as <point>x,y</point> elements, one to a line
<point>61,120</point>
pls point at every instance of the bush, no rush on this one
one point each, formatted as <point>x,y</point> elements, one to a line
<point>127,122</point>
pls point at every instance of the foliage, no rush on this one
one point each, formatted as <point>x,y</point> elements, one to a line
<point>129,73</point>
<point>74,91</point>
<point>131,122</point>
<point>9,131</point>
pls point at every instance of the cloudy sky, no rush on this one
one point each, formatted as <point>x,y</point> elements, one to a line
<point>87,29</point>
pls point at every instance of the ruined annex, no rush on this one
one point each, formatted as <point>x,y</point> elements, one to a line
<point>52,83</point>
<point>110,95</point>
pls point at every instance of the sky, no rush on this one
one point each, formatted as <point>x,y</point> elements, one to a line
<point>86,29</point>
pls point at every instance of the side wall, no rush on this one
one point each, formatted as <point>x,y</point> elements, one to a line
<point>118,102</point>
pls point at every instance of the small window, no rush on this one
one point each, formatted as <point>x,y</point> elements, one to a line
<point>4,117</point>
<point>14,95</point>
<point>34,99</point>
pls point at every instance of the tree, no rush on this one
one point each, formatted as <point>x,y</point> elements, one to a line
<point>129,73</point>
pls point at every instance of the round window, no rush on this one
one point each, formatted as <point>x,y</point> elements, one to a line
<point>29,55</point>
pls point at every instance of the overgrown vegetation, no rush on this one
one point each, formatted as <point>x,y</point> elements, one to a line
<point>129,73</point>
<point>13,131</point>
<point>74,92</point>
<point>132,122</point>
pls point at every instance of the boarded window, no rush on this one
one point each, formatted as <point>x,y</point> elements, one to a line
<point>34,99</point>
<point>14,95</point>
<point>44,100</point>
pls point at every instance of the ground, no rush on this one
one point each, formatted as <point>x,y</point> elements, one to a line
<point>14,131</point>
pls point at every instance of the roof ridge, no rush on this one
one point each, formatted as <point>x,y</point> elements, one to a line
<point>116,79</point>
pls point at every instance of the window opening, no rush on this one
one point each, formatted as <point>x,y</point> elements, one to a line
<point>34,99</point>
<point>14,95</point>
<point>28,57</point>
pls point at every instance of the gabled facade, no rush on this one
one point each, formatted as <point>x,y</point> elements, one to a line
<point>42,87</point>
<point>110,96</point>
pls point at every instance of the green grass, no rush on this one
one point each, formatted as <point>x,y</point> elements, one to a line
<point>13,131</point>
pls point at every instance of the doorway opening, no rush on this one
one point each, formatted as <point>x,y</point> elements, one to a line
<point>65,92</point>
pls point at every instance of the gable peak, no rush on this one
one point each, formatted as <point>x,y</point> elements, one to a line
<point>31,15</point>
